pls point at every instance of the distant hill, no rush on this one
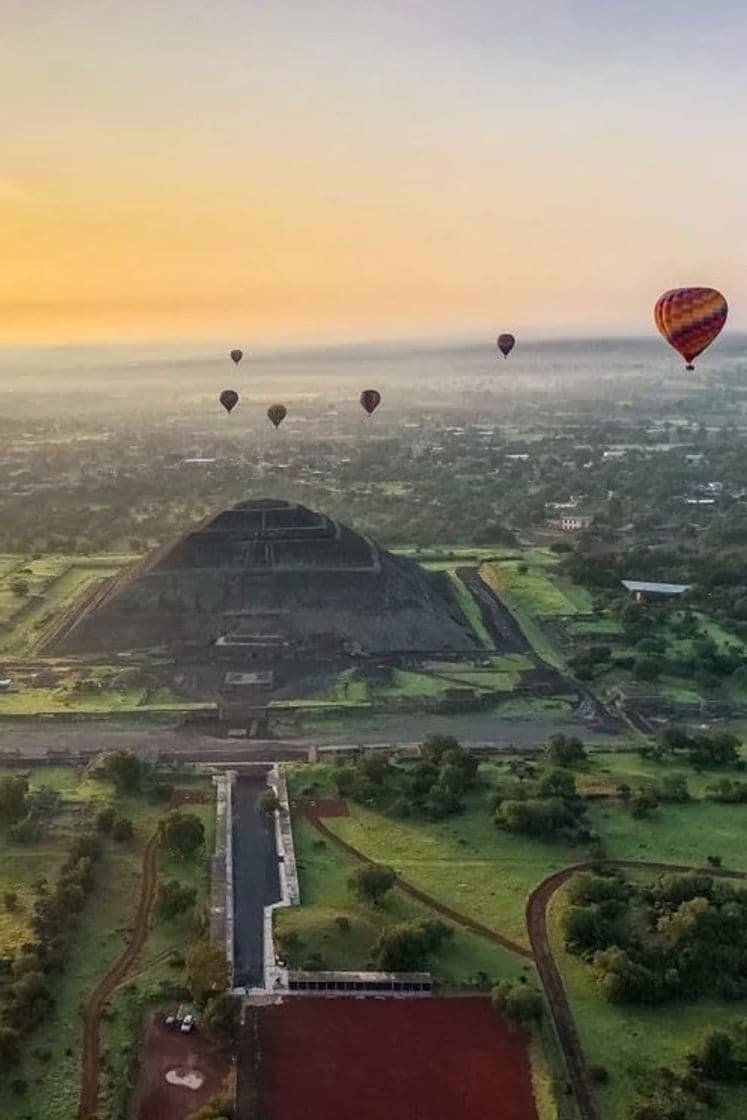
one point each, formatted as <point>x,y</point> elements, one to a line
<point>269,574</point>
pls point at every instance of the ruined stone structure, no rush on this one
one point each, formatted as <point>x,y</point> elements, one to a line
<point>267,582</point>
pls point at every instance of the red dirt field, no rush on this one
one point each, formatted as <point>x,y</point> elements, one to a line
<point>407,1059</point>
<point>187,1058</point>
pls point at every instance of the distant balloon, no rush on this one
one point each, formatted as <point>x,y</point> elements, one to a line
<point>277,413</point>
<point>506,343</point>
<point>690,319</point>
<point>229,398</point>
<point>370,399</point>
<point>237,355</point>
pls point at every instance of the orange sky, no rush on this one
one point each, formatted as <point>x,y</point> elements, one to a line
<point>325,170</point>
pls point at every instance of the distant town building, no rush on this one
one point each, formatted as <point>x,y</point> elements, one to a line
<point>643,589</point>
<point>574,522</point>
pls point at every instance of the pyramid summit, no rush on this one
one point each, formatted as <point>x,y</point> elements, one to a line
<point>270,573</point>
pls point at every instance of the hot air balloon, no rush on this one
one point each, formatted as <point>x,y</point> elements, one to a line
<point>690,319</point>
<point>237,355</point>
<point>370,399</point>
<point>506,343</point>
<point>277,413</point>
<point>229,398</point>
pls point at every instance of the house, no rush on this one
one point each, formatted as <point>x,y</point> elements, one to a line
<point>643,589</point>
<point>571,522</point>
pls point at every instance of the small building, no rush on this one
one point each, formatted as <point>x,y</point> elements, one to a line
<point>643,589</point>
<point>361,983</point>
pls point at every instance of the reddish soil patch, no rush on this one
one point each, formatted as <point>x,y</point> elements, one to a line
<point>420,1059</point>
<point>323,807</point>
<point>186,1058</point>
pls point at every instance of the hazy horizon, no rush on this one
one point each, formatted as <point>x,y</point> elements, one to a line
<point>267,174</point>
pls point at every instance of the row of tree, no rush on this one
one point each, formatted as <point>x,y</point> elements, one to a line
<point>27,990</point>
<point>431,787</point>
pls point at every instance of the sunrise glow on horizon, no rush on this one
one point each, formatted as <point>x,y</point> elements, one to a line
<point>366,169</point>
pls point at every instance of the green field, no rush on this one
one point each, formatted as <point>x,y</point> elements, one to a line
<point>50,1063</point>
<point>325,896</point>
<point>481,871</point>
<point>533,591</point>
<point>53,583</point>
<point>525,610</point>
<point>93,689</point>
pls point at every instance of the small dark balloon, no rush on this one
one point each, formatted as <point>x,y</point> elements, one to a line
<point>370,399</point>
<point>277,413</point>
<point>237,355</point>
<point>506,343</point>
<point>229,398</point>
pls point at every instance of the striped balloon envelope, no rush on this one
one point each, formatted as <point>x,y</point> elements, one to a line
<point>690,319</point>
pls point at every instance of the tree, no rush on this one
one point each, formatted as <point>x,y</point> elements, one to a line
<point>643,802</point>
<point>648,667</point>
<point>371,882</point>
<point>557,783</point>
<point>14,792</point>
<point>565,750</point>
<point>673,788</point>
<point>174,898</point>
<point>207,970</point>
<point>518,1003</point>
<point>123,829</point>
<point>183,833</point>
<point>125,769</point>
<point>407,947</point>
<point>20,587</point>
<point>10,1048</point>
<point>268,802</point>
<point>105,820</point>
<point>10,901</point>
<point>221,1016</point>
<point>715,1057</point>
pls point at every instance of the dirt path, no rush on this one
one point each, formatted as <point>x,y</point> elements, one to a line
<point>427,900</point>
<point>549,973</point>
<point>89,1088</point>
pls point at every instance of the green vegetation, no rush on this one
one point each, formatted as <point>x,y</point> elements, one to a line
<point>526,608</point>
<point>471,610</point>
<point>631,1041</point>
<point>331,925</point>
<point>49,1065</point>
<point>35,592</point>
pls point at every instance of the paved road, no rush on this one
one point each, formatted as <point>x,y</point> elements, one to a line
<point>479,730</point>
<point>255,880</point>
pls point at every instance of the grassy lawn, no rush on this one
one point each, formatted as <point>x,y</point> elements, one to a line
<point>471,611</point>
<point>464,861</point>
<point>685,834</point>
<point>534,591</point>
<point>469,864</point>
<point>493,575</point>
<point>628,1038</point>
<point>51,1058</point>
<point>325,897</point>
